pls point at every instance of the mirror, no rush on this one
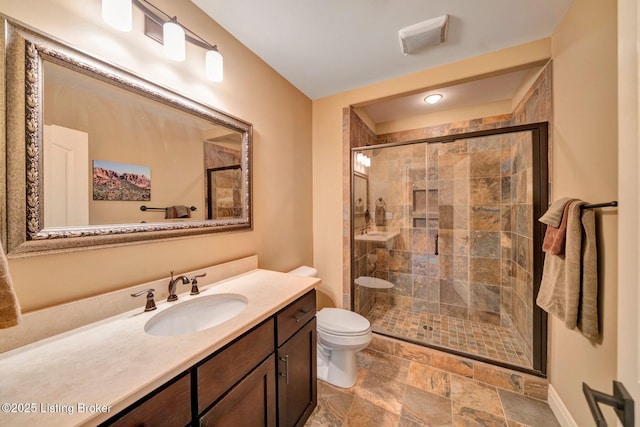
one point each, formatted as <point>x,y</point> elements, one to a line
<point>361,214</point>
<point>106,157</point>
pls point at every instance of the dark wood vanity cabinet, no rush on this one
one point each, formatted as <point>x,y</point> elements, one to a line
<point>251,403</point>
<point>297,384</point>
<point>168,405</point>
<point>297,361</point>
<point>239,381</point>
<point>266,377</point>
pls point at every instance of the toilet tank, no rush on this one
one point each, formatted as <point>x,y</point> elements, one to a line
<point>305,271</point>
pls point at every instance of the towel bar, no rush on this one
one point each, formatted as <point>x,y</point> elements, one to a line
<point>147,208</point>
<point>600,205</point>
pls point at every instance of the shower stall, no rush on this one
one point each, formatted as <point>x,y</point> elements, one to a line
<point>446,246</point>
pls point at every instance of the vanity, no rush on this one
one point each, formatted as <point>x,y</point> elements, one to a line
<point>94,361</point>
<point>256,368</point>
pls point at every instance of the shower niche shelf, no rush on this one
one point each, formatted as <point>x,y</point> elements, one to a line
<point>420,216</point>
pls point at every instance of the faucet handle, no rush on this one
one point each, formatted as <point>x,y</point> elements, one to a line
<point>194,284</point>
<point>151,304</point>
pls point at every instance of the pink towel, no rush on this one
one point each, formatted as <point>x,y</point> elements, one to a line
<point>554,238</point>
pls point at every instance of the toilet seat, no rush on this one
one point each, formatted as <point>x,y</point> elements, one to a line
<point>340,322</point>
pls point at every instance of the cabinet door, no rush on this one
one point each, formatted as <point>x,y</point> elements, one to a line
<point>297,383</point>
<point>170,405</point>
<point>251,403</point>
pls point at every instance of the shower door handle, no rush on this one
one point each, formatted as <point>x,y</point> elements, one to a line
<point>436,244</point>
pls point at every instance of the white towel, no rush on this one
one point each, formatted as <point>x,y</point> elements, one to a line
<point>9,307</point>
<point>569,287</point>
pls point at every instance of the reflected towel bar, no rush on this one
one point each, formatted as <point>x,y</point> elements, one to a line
<point>146,208</point>
<point>600,205</point>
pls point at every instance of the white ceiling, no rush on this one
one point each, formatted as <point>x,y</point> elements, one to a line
<point>330,46</point>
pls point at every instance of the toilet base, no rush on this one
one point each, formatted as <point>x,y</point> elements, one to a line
<point>323,367</point>
<point>339,368</point>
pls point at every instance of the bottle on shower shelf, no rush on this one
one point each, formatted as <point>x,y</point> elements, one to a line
<point>381,212</point>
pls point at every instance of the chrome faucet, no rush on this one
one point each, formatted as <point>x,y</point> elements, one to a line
<point>172,286</point>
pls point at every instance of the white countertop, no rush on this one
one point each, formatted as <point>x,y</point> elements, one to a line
<point>71,378</point>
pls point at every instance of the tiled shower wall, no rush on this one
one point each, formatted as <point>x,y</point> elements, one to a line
<point>226,191</point>
<point>408,260</point>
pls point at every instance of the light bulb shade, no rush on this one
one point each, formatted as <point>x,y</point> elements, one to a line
<point>433,99</point>
<point>118,14</point>
<point>213,65</point>
<point>174,41</point>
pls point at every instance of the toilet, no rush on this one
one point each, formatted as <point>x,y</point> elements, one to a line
<point>341,334</point>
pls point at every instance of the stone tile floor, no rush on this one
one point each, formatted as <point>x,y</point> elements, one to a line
<point>394,391</point>
<point>481,339</point>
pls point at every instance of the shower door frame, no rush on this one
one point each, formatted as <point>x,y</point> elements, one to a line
<point>540,163</point>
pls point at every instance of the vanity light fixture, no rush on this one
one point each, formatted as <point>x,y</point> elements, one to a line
<point>118,14</point>
<point>433,98</point>
<point>166,30</point>
<point>174,40</point>
<point>213,65</point>
<point>363,159</point>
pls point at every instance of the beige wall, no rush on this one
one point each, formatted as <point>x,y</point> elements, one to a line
<point>281,116</point>
<point>585,166</point>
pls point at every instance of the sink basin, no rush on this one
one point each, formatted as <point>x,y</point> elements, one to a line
<point>196,315</point>
<point>377,236</point>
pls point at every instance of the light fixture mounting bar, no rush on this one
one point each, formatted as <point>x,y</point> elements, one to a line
<point>153,27</point>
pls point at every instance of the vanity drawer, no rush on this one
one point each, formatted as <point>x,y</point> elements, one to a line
<point>221,372</point>
<point>295,316</point>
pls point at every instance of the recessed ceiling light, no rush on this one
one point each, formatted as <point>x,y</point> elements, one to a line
<point>432,99</point>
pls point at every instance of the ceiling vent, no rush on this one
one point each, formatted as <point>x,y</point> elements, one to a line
<point>429,33</point>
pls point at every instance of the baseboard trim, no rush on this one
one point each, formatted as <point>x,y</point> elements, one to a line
<point>559,409</point>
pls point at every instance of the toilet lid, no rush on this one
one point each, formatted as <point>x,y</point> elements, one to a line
<point>342,322</point>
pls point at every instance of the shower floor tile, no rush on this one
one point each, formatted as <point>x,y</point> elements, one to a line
<point>474,338</point>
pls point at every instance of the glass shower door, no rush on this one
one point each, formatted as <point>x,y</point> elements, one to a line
<point>455,255</point>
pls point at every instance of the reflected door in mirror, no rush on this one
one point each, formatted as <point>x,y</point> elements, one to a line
<point>66,177</point>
